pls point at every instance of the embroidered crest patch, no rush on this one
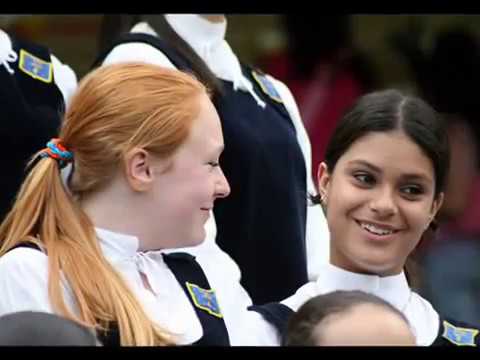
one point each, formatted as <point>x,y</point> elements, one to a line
<point>267,86</point>
<point>459,336</point>
<point>35,67</point>
<point>204,299</point>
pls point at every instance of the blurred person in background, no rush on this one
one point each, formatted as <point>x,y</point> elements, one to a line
<point>324,71</point>
<point>35,89</point>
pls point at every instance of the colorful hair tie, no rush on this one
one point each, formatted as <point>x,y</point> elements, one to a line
<point>57,151</point>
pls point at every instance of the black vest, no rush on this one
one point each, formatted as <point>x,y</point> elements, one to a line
<point>32,107</point>
<point>261,225</point>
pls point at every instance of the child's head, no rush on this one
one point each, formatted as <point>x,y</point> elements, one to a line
<point>382,181</point>
<point>348,318</point>
<point>31,328</point>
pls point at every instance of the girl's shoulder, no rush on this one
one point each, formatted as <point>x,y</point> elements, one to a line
<point>24,281</point>
<point>24,258</point>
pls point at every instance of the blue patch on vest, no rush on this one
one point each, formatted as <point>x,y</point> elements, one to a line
<point>35,67</point>
<point>459,336</point>
<point>204,299</point>
<point>267,86</point>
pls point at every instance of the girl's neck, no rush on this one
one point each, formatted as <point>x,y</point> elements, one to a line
<point>115,211</point>
<point>353,268</point>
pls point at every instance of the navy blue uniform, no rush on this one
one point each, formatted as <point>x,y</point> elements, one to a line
<point>32,106</point>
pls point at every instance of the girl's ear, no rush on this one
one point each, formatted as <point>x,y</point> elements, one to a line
<point>138,171</point>
<point>323,181</point>
<point>436,205</point>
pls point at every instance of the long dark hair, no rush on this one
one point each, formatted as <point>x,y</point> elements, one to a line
<point>388,110</point>
<point>114,25</point>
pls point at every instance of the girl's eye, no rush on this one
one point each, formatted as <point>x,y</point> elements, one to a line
<point>213,163</point>
<point>364,178</point>
<point>412,190</point>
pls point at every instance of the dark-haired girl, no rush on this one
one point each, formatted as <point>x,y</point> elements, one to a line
<point>381,185</point>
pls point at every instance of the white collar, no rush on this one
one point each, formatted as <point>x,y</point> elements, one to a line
<point>202,35</point>
<point>394,289</point>
<point>205,38</point>
<point>208,41</point>
<point>122,251</point>
<point>117,246</point>
<point>422,317</point>
<point>143,27</point>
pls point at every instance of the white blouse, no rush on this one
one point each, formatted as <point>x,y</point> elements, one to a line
<point>423,319</point>
<point>24,287</point>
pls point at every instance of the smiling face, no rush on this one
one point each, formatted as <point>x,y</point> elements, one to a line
<point>184,192</point>
<point>380,198</point>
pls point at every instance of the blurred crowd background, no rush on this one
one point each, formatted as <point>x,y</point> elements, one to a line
<point>328,61</point>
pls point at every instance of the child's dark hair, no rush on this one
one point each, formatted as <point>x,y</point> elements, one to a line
<point>302,325</point>
<point>389,110</point>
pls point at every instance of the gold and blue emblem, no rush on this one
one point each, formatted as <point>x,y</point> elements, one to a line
<point>204,299</point>
<point>458,335</point>
<point>35,67</point>
<point>267,86</point>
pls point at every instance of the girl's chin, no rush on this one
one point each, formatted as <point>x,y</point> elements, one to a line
<point>380,267</point>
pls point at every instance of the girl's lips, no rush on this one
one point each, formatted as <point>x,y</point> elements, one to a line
<point>374,233</point>
<point>380,226</point>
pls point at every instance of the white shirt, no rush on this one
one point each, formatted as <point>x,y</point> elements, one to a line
<point>24,287</point>
<point>423,319</point>
<point>64,76</point>
<point>207,39</point>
